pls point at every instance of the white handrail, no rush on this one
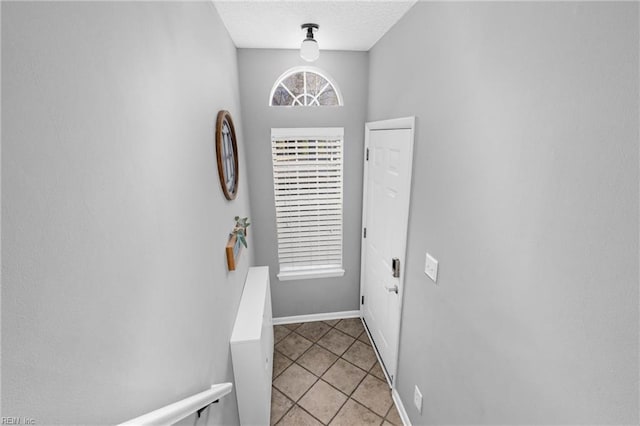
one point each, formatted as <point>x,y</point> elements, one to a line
<point>177,411</point>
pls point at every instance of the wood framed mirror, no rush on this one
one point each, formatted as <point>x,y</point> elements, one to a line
<point>227,154</point>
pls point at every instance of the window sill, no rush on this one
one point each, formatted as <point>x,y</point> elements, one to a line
<point>310,274</point>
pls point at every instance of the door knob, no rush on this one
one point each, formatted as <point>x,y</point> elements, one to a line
<point>392,289</point>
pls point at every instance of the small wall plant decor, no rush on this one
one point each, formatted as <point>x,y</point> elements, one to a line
<point>237,239</point>
<point>240,230</point>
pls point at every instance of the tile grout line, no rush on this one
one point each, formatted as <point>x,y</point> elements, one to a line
<point>319,377</point>
<point>389,411</point>
<point>339,357</point>
<point>280,373</point>
<point>295,403</point>
<point>349,396</point>
<point>367,372</point>
<point>354,389</point>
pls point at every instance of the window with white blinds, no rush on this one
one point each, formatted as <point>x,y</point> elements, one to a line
<point>307,181</point>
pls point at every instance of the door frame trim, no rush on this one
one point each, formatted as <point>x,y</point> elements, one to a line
<point>392,124</point>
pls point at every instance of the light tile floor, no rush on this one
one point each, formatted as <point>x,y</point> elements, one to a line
<point>326,373</point>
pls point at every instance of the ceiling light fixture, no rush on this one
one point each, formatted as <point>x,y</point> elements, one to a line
<point>309,50</point>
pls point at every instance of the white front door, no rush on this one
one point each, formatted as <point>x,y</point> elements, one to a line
<point>387,187</point>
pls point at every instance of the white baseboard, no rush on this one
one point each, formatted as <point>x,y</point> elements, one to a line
<point>316,317</point>
<point>400,407</point>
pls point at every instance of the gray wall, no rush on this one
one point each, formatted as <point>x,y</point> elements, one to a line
<point>526,191</point>
<point>259,70</point>
<point>116,299</point>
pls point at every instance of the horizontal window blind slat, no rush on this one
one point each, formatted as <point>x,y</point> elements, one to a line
<point>289,176</point>
<point>311,257</point>
<point>316,160</point>
<point>308,239</point>
<point>308,216</point>
<point>309,198</point>
<point>312,191</point>
<point>312,245</point>
<point>290,158</point>
<point>315,264</point>
<point>291,220</point>
<point>308,170</point>
<point>304,139</point>
<point>289,263</point>
<point>310,265</point>
<point>332,248</point>
<point>303,143</point>
<point>311,180</point>
<point>309,193</point>
<point>308,166</point>
<point>299,138</point>
<point>310,233</point>
<point>287,162</point>
<point>286,186</point>
<point>332,203</point>
<point>316,210</point>
<point>312,261</point>
<point>298,171</point>
<point>309,236</point>
<point>290,251</point>
<point>306,180</point>
<point>288,227</point>
<point>310,206</point>
<point>291,189</point>
<point>308,223</point>
<point>306,151</point>
<point>316,230</point>
<point>336,254</point>
<point>288,236</point>
<point>309,209</point>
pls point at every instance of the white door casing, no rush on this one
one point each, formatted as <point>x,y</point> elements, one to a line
<point>385,215</point>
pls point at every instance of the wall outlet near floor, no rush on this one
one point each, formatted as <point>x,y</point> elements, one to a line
<point>417,399</point>
<point>431,267</point>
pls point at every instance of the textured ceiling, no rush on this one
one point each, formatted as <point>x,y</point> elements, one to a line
<point>344,25</point>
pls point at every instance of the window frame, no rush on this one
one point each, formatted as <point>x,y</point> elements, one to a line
<point>305,68</point>
<point>310,271</point>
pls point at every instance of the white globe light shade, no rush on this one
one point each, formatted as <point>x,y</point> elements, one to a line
<point>309,50</point>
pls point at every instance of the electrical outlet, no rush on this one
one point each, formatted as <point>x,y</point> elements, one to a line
<point>417,399</point>
<point>431,267</point>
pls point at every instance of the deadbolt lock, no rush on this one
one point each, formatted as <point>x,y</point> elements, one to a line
<point>395,266</point>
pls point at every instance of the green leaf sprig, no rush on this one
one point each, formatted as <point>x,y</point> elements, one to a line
<point>240,230</point>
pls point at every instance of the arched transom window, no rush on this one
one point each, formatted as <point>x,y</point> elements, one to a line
<point>305,86</point>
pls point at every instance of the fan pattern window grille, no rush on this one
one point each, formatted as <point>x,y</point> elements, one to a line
<point>305,87</point>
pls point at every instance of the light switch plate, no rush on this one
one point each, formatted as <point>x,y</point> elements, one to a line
<point>431,267</point>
